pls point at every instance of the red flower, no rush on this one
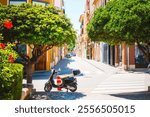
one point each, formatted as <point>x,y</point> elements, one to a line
<point>8,24</point>
<point>2,46</point>
<point>11,60</point>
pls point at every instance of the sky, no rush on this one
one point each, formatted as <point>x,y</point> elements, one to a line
<point>73,10</point>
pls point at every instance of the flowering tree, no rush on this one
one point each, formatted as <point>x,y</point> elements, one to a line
<point>39,27</point>
<point>7,54</point>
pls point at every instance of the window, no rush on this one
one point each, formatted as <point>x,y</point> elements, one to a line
<point>39,2</point>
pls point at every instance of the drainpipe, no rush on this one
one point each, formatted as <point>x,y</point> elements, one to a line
<point>101,52</point>
<point>108,57</point>
<point>128,59</point>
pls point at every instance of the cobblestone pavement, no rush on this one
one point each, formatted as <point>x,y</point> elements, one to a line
<point>98,81</point>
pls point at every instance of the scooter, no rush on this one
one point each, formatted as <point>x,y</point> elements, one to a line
<point>67,81</point>
<point>148,67</point>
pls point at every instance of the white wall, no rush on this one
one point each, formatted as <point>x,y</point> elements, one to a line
<point>58,3</point>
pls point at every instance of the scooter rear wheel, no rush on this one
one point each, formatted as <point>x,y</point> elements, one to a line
<point>48,87</point>
<point>73,87</point>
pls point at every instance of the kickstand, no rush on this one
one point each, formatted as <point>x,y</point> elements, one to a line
<point>67,90</point>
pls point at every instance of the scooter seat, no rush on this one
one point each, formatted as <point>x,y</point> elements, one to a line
<point>69,80</point>
<point>65,76</point>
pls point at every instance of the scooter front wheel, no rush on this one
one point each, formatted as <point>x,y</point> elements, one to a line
<point>48,87</point>
<point>73,87</point>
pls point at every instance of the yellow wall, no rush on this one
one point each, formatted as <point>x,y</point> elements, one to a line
<point>4,2</point>
<point>29,1</point>
<point>49,59</point>
<point>49,1</point>
<point>54,55</point>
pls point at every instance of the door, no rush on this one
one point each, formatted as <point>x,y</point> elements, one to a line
<point>41,65</point>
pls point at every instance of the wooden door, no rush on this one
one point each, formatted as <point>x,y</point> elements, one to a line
<point>41,65</point>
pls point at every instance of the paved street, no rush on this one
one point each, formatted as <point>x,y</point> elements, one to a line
<point>97,81</point>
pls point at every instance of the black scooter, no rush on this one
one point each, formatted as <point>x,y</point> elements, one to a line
<point>68,81</point>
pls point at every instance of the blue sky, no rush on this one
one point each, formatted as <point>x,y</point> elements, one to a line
<point>73,9</point>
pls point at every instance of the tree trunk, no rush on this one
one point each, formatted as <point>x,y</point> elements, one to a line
<point>29,73</point>
<point>31,61</point>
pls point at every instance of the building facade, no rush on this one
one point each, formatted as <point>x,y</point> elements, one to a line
<point>128,57</point>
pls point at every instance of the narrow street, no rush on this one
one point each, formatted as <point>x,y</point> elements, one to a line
<point>97,81</point>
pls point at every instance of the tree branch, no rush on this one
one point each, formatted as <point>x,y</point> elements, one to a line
<point>142,48</point>
<point>36,57</point>
<point>145,51</point>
